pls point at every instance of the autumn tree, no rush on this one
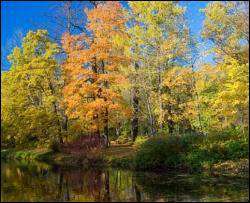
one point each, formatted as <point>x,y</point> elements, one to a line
<point>227,26</point>
<point>92,91</point>
<point>30,90</point>
<point>159,39</point>
<point>179,94</point>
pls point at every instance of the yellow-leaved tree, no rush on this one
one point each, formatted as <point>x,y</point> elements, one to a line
<point>92,93</point>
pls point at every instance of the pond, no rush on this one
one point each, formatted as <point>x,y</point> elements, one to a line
<point>32,181</point>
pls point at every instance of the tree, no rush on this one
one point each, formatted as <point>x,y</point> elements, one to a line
<point>158,40</point>
<point>227,26</point>
<point>178,98</point>
<point>31,99</point>
<point>92,70</point>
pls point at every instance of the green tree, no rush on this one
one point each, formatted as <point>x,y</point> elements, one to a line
<point>31,89</point>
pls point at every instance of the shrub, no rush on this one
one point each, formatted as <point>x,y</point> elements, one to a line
<point>44,155</point>
<point>140,140</point>
<point>54,146</point>
<point>161,152</point>
<point>126,162</point>
<point>225,134</point>
<point>237,149</point>
<point>7,153</point>
<point>192,151</point>
<point>124,139</point>
<point>218,147</point>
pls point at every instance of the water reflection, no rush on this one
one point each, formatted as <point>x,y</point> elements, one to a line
<point>30,181</point>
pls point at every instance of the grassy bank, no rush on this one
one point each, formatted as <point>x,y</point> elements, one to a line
<point>225,154</point>
<point>121,157</point>
<point>34,154</point>
<point>49,156</point>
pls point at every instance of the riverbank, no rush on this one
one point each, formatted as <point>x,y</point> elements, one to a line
<point>115,155</point>
<point>119,156</point>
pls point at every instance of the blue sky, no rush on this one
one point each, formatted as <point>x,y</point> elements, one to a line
<point>22,16</point>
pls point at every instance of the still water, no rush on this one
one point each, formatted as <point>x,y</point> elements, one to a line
<point>31,181</point>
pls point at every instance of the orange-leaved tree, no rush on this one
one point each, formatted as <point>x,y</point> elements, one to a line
<point>92,92</point>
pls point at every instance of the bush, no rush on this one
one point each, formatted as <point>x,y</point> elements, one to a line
<point>140,140</point>
<point>126,162</point>
<point>237,149</point>
<point>7,153</point>
<point>190,150</point>
<point>217,147</point>
<point>54,146</point>
<point>124,139</point>
<point>161,152</point>
<point>225,134</point>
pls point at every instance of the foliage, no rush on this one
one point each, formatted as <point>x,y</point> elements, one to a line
<point>191,150</point>
<point>133,72</point>
<point>54,145</point>
<point>217,147</point>
<point>226,90</point>
<point>160,152</point>
<point>140,140</point>
<point>124,139</point>
<point>29,91</point>
<point>37,154</point>
<point>92,91</point>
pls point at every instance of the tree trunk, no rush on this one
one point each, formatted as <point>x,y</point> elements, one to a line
<point>106,123</point>
<point>106,128</point>
<point>151,117</point>
<point>160,96</point>
<point>135,105</point>
<point>170,126</point>
<point>170,122</point>
<point>95,116</point>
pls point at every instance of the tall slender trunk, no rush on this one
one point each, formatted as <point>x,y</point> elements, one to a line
<point>106,127</point>
<point>135,104</point>
<point>197,98</point>
<point>95,116</point>
<point>106,123</point>
<point>170,122</point>
<point>159,97</point>
<point>151,117</point>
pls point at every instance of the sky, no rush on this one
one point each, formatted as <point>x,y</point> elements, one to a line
<point>18,17</point>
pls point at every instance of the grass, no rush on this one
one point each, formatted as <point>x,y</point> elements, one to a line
<point>116,155</point>
<point>119,151</point>
<point>120,155</point>
<point>34,154</point>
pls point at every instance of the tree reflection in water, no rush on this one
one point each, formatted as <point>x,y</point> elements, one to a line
<point>24,181</point>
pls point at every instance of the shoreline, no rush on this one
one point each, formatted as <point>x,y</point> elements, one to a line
<point>239,168</point>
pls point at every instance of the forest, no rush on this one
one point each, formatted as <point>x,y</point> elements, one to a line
<point>133,77</point>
